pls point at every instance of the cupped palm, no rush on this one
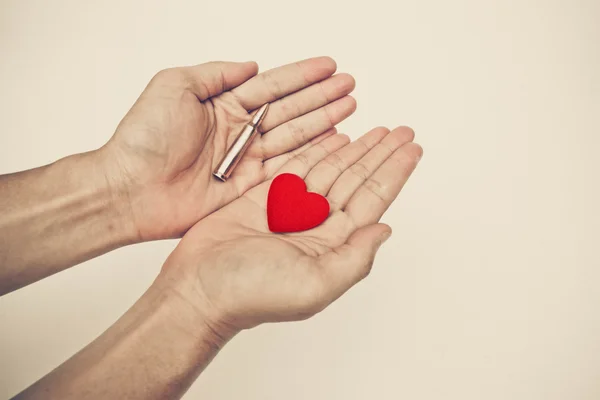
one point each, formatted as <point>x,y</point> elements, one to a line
<point>164,151</point>
<point>251,275</point>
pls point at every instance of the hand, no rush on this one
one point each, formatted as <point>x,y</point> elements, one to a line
<point>163,153</point>
<point>240,274</point>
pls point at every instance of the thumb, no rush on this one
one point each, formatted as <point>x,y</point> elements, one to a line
<point>352,261</point>
<point>213,78</point>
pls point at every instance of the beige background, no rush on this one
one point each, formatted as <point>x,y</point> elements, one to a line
<point>489,287</point>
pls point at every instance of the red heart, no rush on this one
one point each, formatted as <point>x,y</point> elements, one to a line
<point>290,208</point>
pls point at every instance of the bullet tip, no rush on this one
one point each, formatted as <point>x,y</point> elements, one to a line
<point>260,115</point>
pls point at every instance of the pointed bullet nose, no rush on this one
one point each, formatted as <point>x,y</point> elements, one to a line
<point>260,115</point>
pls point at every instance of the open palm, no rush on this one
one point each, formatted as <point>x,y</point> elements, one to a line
<point>166,148</point>
<point>249,275</point>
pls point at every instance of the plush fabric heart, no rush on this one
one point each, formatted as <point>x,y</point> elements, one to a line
<point>290,208</point>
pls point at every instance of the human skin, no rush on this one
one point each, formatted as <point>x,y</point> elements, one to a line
<point>152,180</point>
<point>230,273</point>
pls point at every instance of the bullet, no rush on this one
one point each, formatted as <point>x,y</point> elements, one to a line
<point>241,144</point>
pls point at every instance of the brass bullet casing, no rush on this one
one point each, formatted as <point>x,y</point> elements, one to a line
<point>241,144</point>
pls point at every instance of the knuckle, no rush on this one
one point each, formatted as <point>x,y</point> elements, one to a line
<point>360,170</point>
<point>323,92</point>
<point>328,117</point>
<point>303,159</point>
<point>273,87</point>
<point>301,71</point>
<point>298,133</point>
<point>407,156</point>
<point>219,80</point>
<point>364,144</point>
<point>335,161</point>
<point>385,147</point>
<point>399,162</point>
<point>376,187</point>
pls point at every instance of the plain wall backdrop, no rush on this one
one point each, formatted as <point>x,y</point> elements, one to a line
<point>488,288</point>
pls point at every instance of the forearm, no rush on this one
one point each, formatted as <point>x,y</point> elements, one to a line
<point>155,351</point>
<point>57,216</point>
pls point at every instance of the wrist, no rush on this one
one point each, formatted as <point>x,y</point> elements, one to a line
<point>191,311</point>
<point>114,188</point>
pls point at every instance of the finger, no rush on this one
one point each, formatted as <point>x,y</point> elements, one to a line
<point>213,78</point>
<point>278,82</point>
<point>306,100</point>
<point>324,174</point>
<point>353,177</point>
<point>273,164</point>
<point>352,261</point>
<point>302,163</point>
<point>375,195</point>
<point>297,132</point>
